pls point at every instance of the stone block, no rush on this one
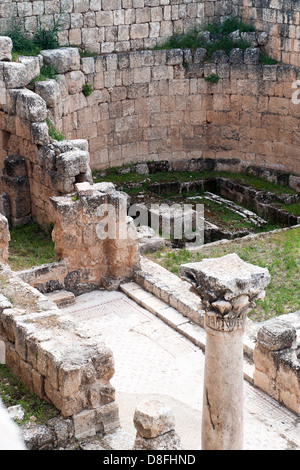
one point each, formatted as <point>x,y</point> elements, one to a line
<point>40,133</point>
<point>30,106</point>
<point>72,163</point>
<point>153,418</point>
<point>49,90</point>
<point>75,81</point>
<point>107,418</point>
<point>63,60</point>
<point>276,334</point>
<point>251,56</point>
<point>32,65</point>
<point>6,46</point>
<point>227,277</point>
<point>14,74</point>
<point>84,424</point>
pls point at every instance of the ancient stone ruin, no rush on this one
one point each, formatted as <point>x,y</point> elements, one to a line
<point>116,99</point>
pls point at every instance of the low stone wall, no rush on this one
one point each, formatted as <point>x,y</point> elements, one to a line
<point>277,361</point>
<point>53,362</point>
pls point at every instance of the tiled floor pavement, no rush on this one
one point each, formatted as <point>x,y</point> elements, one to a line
<point>152,359</point>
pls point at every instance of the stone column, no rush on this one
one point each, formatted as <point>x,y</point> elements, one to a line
<point>228,287</point>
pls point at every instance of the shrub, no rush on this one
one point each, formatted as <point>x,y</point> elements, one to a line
<point>213,78</point>
<point>87,89</point>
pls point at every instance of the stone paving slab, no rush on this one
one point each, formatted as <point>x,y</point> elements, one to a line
<point>152,359</point>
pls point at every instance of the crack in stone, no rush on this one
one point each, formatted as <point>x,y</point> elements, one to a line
<point>209,409</point>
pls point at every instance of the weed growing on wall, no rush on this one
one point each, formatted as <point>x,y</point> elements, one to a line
<point>47,72</point>
<point>53,133</point>
<point>87,89</point>
<point>213,78</point>
<point>191,39</point>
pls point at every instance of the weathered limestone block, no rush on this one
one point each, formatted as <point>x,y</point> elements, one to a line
<point>275,335</point>
<point>225,278</point>
<point>155,426</point>
<point>6,46</point>
<point>152,418</point>
<point>32,65</point>
<point>14,74</point>
<point>72,163</point>
<point>63,60</point>
<point>75,81</point>
<point>251,56</point>
<point>49,90</point>
<point>30,106</point>
<point>40,133</point>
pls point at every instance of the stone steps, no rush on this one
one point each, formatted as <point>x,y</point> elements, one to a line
<point>169,288</point>
<point>165,312</point>
<point>61,298</point>
<point>176,320</point>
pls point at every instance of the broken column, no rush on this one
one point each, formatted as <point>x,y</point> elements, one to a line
<point>228,287</point>
<point>155,426</point>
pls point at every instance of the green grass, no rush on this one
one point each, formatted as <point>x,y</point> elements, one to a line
<point>114,175</point>
<point>46,73</point>
<point>293,208</point>
<point>30,246</point>
<point>13,392</point>
<point>279,252</point>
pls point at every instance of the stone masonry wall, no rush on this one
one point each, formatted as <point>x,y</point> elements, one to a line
<point>280,18</point>
<point>52,167</point>
<point>158,105</point>
<point>54,362</point>
<point>121,25</point>
<point>107,25</point>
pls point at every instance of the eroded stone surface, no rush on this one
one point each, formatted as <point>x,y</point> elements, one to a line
<point>153,418</point>
<point>227,277</point>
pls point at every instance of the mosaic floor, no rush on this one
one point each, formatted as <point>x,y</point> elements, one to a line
<point>153,359</point>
